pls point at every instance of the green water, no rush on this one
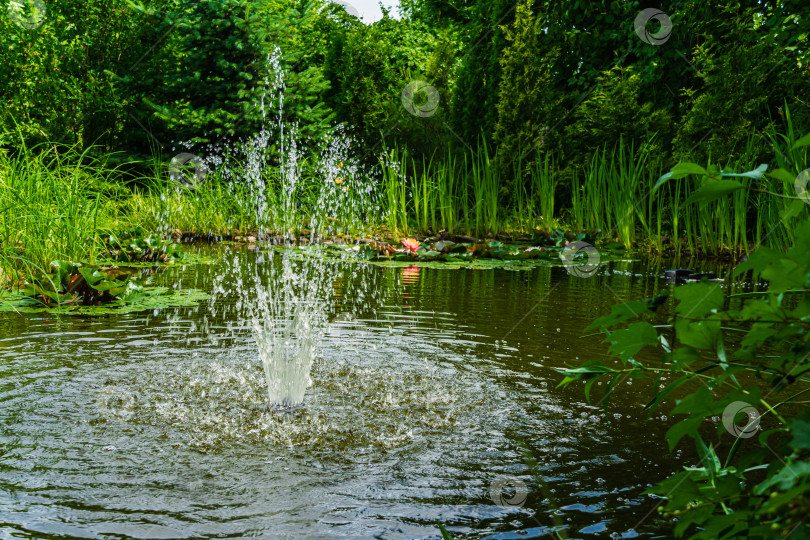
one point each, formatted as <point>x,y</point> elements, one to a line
<point>426,394</point>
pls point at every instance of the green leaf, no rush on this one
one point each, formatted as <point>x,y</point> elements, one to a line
<point>801,435</point>
<point>445,534</point>
<point>91,276</point>
<point>804,141</point>
<point>756,174</point>
<point>758,334</point>
<point>702,335</point>
<point>682,170</point>
<point>757,261</point>
<point>784,175</point>
<point>695,300</point>
<point>713,190</point>
<point>107,285</point>
<point>627,342</point>
<point>660,396</point>
<point>785,478</point>
<point>695,515</point>
<point>688,426</point>
<point>619,313</point>
<point>682,357</point>
<point>588,370</point>
<point>661,181</point>
<point>680,489</point>
<point>609,390</point>
<point>792,210</point>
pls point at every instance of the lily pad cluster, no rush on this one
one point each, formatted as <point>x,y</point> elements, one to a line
<point>76,288</point>
<point>446,250</point>
<point>545,246</point>
<point>447,254</point>
<point>72,283</point>
<point>559,237</point>
<point>137,246</point>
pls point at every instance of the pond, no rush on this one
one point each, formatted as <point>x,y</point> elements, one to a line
<point>432,400</point>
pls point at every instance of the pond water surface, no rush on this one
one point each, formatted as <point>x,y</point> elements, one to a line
<point>432,399</point>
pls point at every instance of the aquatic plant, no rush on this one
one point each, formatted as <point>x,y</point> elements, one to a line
<point>75,283</point>
<point>743,367</point>
<point>50,208</point>
<point>138,245</point>
<point>410,245</point>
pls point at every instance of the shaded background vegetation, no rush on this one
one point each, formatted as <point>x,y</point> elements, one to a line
<point>135,77</point>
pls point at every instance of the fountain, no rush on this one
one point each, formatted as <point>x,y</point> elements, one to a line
<point>287,303</point>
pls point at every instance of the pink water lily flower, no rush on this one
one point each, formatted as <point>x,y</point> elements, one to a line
<point>411,245</point>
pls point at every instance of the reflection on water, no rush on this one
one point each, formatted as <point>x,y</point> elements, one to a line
<point>430,401</point>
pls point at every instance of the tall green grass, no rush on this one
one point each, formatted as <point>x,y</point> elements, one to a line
<point>242,198</point>
<point>612,191</point>
<point>52,203</point>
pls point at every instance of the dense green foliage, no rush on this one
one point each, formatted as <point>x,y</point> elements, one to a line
<point>137,76</point>
<point>543,113</point>
<point>740,361</point>
<point>728,355</point>
<point>470,116</point>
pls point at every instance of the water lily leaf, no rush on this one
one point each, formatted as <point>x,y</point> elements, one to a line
<point>117,291</point>
<point>91,276</point>
<point>107,285</point>
<point>366,252</point>
<point>443,245</point>
<point>135,299</point>
<point>63,269</point>
<point>615,246</point>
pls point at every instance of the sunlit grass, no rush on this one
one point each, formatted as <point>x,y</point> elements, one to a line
<point>54,201</point>
<point>51,204</point>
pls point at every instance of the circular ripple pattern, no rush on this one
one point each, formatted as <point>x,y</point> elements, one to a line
<point>157,425</point>
<point>368,406</point>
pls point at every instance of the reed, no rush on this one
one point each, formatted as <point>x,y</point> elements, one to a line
<point>484,180</point>
<point>50,207</point>
<point>53,201</point>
